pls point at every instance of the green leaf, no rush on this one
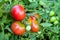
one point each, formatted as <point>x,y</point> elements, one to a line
<point>46,24</point>
<point>32,0</point>
<point>22,38</point>
<point>1,14</point>
<point>55,37</point>
<point>55,29</point>
<point>3,19</point>
<point>26,2</point>
<point>0,0</point>
<point>33,5</point>
<point>1,35</point>
<point>6,37</point>
<point>7,27</point>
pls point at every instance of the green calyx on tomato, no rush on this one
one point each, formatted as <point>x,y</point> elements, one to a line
<point>18,12</point>
<point>51,13</point>
<point>18,28</point>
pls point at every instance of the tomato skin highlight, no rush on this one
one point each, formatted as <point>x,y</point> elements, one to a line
<point>17,28</point>
<point>18,12</point>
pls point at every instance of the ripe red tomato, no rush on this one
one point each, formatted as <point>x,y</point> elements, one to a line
<point>18,12</point>
<point>18,28</point>
<point>34,24</point>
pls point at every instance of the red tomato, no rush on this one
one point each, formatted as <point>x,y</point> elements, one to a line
<point>18,28</point>
<point>18,12</point>
<point>34,24</point>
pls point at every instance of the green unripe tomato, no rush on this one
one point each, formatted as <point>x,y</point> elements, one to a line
<point>56,22</point>
<point>52,19</point>
<point>51,13</point>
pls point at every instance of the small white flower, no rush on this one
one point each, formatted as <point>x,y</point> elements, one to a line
<point>28,28</point>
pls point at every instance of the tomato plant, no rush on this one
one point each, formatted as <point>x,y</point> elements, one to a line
<point>17,28</point>
<point>18,12</point>
<point>41,19</point>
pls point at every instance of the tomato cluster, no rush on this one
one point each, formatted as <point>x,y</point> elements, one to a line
<point>18,14</point>
<point>53,18</point>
